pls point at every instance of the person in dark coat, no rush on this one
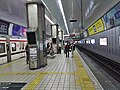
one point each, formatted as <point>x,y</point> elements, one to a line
<point>67,47</point>
<point>27,53</point>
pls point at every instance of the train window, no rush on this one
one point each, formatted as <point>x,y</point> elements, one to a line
<point>103,41</point>
<point>92,41</point>
<point>21,45</point>
<point>13,46</point>
<point>2,48</point>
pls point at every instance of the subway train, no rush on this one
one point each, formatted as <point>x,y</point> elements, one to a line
<point>11,48</point>
<point>106,43</point>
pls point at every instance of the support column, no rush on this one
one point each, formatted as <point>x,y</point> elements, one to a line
<point>36,34</point>
<point>57,38</point>
<point>62,40</point>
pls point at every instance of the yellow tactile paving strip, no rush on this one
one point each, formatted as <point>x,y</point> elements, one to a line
<point>82,77</point>
<point>32,85</point>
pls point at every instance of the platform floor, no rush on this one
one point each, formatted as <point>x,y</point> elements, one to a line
<point>61,73</point>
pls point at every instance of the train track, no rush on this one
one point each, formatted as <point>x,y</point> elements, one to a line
<point>113,68</point>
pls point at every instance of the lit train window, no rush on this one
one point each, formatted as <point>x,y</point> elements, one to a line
<point>2,47</point>
<point>13,46</point>
<point>21,45</point>
<point>103,41</point>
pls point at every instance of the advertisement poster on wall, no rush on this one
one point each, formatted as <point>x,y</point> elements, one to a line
<point>4,27</point>
<point>97,27</point>
<point>112,18</point>
<point>18,30</point>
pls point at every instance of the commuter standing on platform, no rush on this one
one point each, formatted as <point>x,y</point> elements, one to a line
<point>27,53</point>
<point>59,48</point>
<point>67,47</point>
<point>72,49</point>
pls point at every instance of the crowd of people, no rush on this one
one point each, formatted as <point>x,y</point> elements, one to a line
<point>69,48</point>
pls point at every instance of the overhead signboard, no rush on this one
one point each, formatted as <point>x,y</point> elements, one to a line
<point>112,18</point>
<point>4,27</point>
<point>97,27</point>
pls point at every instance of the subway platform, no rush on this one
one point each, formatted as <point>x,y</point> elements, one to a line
<point>61,73</point>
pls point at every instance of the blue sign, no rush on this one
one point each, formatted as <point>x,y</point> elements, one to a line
<point>117,15</point>
<point>18,30</point>
<point>112,18</point>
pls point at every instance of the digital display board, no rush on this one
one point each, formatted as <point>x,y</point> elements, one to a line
<point>31,38</point>
<point>4,27</point>
<point>18,30</point>
<point>54,40</point>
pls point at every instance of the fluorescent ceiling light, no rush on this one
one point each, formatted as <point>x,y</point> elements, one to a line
<point>45,16</point>
<point>62,11</point>
<point>48,19</point>
<point>66,35</point>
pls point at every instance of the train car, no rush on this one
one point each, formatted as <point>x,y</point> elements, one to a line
<point>16,47</point>
<point>3,51</point>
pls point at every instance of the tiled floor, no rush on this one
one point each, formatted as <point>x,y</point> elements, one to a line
<point>61,73</point>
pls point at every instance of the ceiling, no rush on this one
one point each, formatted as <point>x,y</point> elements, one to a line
<point>15,11</point>
<point>91,9</point>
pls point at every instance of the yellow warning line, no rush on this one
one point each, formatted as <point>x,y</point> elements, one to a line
<point>82,78</point>
<point>32,85</point>
<point>33,73</point>
<point>38,78</point>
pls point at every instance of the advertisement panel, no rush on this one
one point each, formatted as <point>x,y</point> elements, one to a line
<point>18,30</point>
<point>96,27</point>
<point>112,18</point>
<point>4,27</point>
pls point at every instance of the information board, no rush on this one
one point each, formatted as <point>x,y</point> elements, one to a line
<point>4,27</point>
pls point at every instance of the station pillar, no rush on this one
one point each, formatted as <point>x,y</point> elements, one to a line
<point>36,34</point>
<point>55,33</point>
<point>57,37</point>
<point>62,40</point>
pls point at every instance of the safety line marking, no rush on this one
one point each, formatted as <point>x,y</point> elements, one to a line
<point>33,73</point>
<point>82,78</point>
<point>32,85</point>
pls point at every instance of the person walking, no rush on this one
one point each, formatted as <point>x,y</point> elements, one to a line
<point>67,47</point>
<point>59,48</point>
